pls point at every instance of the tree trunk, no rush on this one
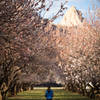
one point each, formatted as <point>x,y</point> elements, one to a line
<point>15,91</point>
<point>3,96</point>
<point>0,96</point>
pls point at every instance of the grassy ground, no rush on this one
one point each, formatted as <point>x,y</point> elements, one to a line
<point>38,94</point>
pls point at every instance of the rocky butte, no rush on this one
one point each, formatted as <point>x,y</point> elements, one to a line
<point>72,17</point>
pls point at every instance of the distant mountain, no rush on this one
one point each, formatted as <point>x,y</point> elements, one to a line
<point>73,17</point>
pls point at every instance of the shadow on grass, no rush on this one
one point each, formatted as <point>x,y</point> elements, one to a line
<point>39,95</point>
<point>43,98</point>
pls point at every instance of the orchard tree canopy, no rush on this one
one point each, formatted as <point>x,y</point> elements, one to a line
<point>23,39</point>
<point>31,47</point>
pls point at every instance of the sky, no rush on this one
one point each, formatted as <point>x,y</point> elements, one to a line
<point>82,5</point>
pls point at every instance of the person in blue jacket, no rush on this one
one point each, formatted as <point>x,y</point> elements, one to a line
<point>49,94</point>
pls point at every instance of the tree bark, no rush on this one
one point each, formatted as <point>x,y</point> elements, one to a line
<point>3,95</point>
<point>0,96</point>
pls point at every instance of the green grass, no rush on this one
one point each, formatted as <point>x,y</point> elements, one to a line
<point>38,94</point>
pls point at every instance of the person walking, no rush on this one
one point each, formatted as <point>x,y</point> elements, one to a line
<point>49,94</point>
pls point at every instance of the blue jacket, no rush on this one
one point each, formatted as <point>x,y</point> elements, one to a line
<point>49,94</point>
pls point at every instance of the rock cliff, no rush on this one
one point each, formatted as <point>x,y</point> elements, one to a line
<point>73,17</point>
